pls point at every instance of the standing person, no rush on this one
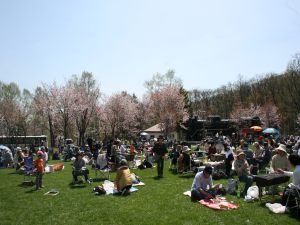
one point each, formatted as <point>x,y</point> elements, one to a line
<point>39,165</point>
<point>45,155</point>
<point>228,159</point>
<point>160,149</point>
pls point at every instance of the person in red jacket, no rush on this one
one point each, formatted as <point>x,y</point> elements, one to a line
<point>39,165</point>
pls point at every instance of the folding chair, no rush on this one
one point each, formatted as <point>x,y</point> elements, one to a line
<point>293,198</point>
<point>102,169</point>
<point>82,173</point>
<point>28,171</point>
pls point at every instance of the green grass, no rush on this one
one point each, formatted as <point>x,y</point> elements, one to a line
<point>159,202</point>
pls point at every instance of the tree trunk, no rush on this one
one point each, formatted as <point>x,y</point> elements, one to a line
<point>52,136</point>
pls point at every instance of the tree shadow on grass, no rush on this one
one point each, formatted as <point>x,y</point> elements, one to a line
<point>77,185</point>
<point>99,179</point>
<point>186,175</point>
<point>31,191</point>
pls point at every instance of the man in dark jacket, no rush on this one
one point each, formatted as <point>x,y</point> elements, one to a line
<point>160,149</point>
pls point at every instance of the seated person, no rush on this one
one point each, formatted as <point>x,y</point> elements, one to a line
<point>266,156</point>
<point>242,168</point>
<point>101,162</point>
<point>123,181</point>
<point>258,151</point>
<point>211,150</point>
<point>55,156</point>
<point>79,168</point>
<point>280,160</point>
<point>184,159</point>
<point>295,161</point>
<point>202,187</point>
<point>115,153</point>
<point>174,155</point>
<point>248,154</point>
<point>19,159</point>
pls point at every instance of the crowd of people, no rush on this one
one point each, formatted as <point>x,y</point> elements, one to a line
<point>243,160</point>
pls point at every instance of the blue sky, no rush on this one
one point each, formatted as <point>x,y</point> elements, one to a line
<point>123,43</point>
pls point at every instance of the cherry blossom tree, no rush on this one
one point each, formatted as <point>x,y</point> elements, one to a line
<point>240,110</point>
<point>119,115</point>
<point>167,107</point>
<point>66,103</point>
<point>86,95</point>
<point>269,115</point>
<point>45,101</point>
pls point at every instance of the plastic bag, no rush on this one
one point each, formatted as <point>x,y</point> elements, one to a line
<point>253,192</point>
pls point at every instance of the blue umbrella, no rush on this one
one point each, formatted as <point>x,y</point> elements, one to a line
<point>270,131</point>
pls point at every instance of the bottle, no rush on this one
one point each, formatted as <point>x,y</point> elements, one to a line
<point>238,192</point>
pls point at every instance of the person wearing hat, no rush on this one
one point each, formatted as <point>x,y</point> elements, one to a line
<point>280,159</point>
<point>123,181</point>
<point>242,168</point>
<point>202,187</point>
<point>40,170</point>
<point>184,159</point>
<point>160,149</point>
<point>79,168</point>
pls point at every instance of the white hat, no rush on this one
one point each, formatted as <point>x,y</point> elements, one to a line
<point>281,147</point>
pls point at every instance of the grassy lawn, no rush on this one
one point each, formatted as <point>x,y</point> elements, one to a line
<point>159,202</point>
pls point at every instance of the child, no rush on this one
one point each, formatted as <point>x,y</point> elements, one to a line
<point>39,165</point>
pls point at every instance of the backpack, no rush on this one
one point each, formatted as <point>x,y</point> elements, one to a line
<point>99,190</point>
<point>232,186</point>
<point>142,166</point>
<point>147,164</point>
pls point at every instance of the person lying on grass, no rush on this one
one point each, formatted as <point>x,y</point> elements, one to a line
<point>202,187</point>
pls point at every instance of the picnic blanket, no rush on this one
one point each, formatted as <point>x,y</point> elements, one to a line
<point>54,167</point>
<point>110,189</point>
<point>218,204</point>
